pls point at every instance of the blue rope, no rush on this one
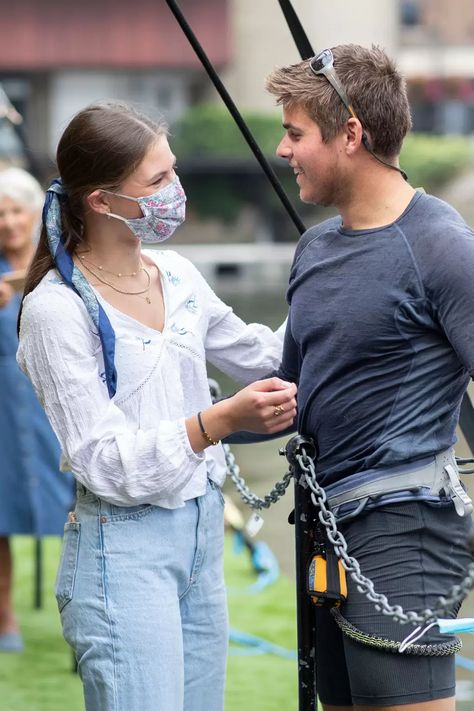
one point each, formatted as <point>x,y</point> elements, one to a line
<point>264,563</point>
<point>464,662</point>
<point>256,645</point>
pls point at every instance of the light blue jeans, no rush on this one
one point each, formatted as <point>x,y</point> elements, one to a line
<point>142,601</point>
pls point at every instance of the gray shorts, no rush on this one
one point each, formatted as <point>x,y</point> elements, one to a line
<point>414,552</point>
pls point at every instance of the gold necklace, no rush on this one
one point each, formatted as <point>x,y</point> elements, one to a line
<point>102,269</point>
<point>122,291</point>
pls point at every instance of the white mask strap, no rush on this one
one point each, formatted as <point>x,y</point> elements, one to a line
<point>118,217</point>
<point>127,197</point>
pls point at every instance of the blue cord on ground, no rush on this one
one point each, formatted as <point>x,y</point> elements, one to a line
<point>251,645</point>
<point>263,561</point>
<point>464,662</point>
<point>266,565</point>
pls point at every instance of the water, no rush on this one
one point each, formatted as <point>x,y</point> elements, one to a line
<point>262,466</point>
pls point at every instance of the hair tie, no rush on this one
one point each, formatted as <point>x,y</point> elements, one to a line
<point>74,278</point>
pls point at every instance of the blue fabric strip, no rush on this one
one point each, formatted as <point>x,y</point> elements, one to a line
<point>74,278</point>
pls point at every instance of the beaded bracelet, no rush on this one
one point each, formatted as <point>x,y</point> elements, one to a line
<point>205,434</point>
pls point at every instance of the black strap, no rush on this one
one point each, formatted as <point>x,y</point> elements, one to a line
<point>297,32</point>
<point>233,110</point>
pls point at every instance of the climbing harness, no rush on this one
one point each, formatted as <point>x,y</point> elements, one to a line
<point>434,480</point>
<point>328,520</point>
<point>444,604</point>
<point>429,476</point>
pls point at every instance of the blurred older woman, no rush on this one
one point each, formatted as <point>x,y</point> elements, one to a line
<point>34,495</point>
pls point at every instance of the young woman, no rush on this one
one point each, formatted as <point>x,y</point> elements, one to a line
<point>115,341</point>
<point>34,495</point>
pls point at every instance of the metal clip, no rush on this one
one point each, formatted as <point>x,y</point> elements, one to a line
<point>462,502</point>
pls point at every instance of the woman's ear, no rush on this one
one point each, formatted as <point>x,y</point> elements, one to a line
<point>98,201</point>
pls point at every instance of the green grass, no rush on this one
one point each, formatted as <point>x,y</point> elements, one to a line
<point>40,679</point>
<point>265,682</point>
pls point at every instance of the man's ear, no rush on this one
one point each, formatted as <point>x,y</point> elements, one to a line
<point>353,135</point>
<point>98,201</point>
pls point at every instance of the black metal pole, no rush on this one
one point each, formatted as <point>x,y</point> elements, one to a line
<point>306,520</point>
<point>305,525</point>
<point>306,515</point>
<point>296,28</point>
<point>38,576</point>
<point>226,98</point>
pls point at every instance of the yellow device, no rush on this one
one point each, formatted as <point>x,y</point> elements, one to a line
<point>327,583</point>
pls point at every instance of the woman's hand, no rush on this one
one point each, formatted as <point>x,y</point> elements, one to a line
<point>6,294</point>
<point>265,407</point>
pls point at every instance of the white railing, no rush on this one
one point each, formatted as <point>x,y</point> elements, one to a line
<point>250,266</point>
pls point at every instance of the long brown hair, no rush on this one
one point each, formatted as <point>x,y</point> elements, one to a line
<point>100,148</point>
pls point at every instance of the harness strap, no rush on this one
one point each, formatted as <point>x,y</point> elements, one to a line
<point>436,480</point>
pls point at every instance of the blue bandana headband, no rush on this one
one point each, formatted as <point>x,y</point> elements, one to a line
<point>74,278</point>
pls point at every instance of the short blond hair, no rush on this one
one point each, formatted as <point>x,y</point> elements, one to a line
<point>374,86</point>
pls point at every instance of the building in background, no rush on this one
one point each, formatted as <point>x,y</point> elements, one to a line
<point>55,57</point>
<point>432,40</point>
<point>437,54</point>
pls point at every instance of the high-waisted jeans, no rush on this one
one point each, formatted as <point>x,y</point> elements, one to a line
<point>142,601</point>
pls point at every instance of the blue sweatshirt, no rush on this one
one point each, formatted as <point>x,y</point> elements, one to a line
<point>380,337</point>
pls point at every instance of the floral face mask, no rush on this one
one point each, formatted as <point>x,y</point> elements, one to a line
<point>163,212</point>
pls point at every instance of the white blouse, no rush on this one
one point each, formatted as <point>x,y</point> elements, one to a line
<point>134,449</point>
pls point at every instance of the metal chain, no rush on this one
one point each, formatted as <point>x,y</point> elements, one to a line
<point>251,499</point>
<point>364,584</point>
<point>248,497</point>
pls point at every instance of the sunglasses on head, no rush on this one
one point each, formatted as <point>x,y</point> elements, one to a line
<point>323,64</point>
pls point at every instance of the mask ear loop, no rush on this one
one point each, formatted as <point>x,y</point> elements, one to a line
<point>126,197</point>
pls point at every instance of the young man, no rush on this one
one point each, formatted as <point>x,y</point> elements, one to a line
<point>380,339</point>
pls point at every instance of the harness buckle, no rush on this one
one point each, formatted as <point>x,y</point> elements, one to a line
<point>461,500</point>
